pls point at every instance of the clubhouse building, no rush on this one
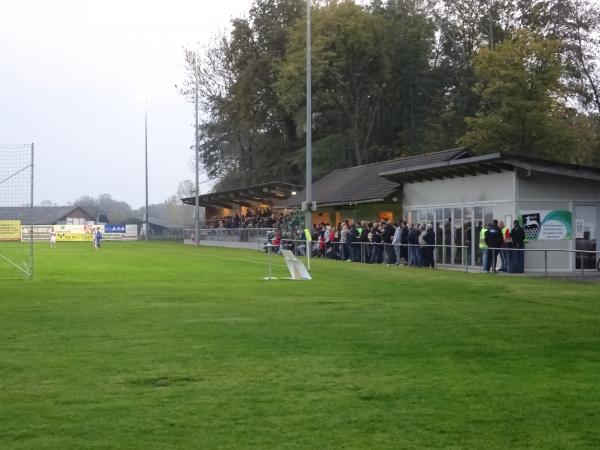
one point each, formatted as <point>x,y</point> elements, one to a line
<point>458,192</point>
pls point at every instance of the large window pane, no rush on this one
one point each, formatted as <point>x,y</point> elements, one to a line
<point>447,235</point>
<point>458,235</point>
<point>488,215</point>
<point>585,236</point>
<point>439,234</point>
<point>468,233</point>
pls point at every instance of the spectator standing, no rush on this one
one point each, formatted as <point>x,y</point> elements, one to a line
<point>493,239</point>
<point>404,242</point>
<point>517,235</point>
<point>388,235</point>
<point>376,244</point>
<point>413,244</point>
<point>506,243</point>
<point>343,240</point>
<point>350,240</point>
<point>429,239</point>
<point>420,249</point>
<point>484,248</point>
<point>396,241</point>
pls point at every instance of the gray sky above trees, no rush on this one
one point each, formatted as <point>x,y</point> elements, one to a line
<point>72,79</point>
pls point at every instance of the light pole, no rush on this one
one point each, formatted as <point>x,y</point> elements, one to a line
<point>197,213</point>
<point>308,213</point>
<point>146,161</point>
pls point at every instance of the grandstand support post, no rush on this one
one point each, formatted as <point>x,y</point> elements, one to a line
<point>308,188</point>
<point>197,210</point>
<point>31,218</point>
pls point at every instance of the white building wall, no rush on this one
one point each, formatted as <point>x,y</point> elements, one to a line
<point>547,188</point>
<point>509,194</point>
<point>470,189</point>
<point>547,192</point>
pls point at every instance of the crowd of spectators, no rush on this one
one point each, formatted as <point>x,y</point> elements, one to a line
<point>399,243</point>
<point>254,218</point>
<point>381,242</point>
<point>377,243</point>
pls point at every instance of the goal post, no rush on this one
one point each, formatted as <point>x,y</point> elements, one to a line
<point>16,210</point>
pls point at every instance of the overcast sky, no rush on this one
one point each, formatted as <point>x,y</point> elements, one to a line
<point>72,80</point>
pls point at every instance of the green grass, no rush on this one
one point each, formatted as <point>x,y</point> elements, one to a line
<point>161,346</point>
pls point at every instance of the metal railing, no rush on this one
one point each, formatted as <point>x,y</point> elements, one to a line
<point>384,253</point>
<point>230,234</point>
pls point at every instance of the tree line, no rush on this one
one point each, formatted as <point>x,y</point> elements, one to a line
<point>396,78</point>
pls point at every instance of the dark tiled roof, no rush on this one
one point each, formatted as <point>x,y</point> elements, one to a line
<point>483,164</point>
<point>362,184</point>
<point>42,215</point>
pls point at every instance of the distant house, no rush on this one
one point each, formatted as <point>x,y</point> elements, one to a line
<point>53,215</point>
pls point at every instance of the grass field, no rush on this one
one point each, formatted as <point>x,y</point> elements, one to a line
<point>161,346</point>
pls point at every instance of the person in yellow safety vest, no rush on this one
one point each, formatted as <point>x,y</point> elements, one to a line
<point>506,243</point>
<point>483,248</point>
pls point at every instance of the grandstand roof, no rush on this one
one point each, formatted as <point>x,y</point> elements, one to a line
<point>363,184</point>
<point>246,196</point>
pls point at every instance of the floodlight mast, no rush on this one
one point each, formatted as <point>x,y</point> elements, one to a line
<point>308,188</point>
<point>146,159</point>
<point>197,210</point>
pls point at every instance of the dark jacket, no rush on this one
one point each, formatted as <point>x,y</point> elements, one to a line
<point>518,236</point>
<point>429,237</point>
<point>388,233</point>
<point>493,237</point>
<point>413,236</point>
<point>404,235</point>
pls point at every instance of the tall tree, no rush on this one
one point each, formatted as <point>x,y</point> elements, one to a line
<point>350,73</point>
<point>522,109</point>
<point>246,134</point>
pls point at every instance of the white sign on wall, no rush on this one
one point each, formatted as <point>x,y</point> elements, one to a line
<point>553,224</point>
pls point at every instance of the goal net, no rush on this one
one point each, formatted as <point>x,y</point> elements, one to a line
<point>16,210</point>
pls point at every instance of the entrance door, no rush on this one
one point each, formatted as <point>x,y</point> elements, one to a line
<point>586,217</point>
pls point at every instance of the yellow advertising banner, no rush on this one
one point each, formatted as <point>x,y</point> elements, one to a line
<point>73,237</point>
<point>76,233</point>
<point>10,230</point>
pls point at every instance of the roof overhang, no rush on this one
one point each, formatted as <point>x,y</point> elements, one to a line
<point>249,196</point>
<point>485,164</point>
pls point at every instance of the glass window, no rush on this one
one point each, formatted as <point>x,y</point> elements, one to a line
<point>488,215</point>
<point>478,224</point>
<point>447,235</point>
<point>585,236</point>
<point>439,234</point>
<point>458,235</point>
<point>468,233</point>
